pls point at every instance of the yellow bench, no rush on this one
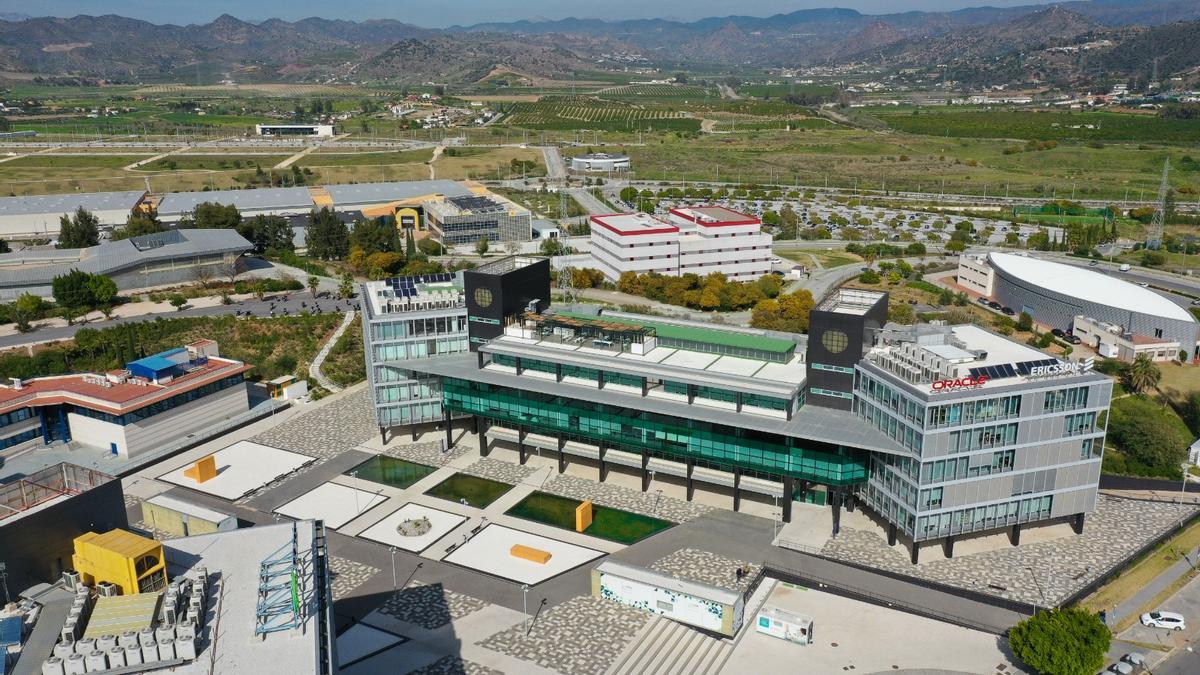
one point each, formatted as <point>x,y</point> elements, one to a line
<point>204,469</point>
<point>531,554</point>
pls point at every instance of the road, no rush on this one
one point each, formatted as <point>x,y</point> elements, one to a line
<point>555,170</point>
<point>589,202</point>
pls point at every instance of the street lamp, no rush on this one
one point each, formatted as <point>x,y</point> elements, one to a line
<point>354,475</point>
<point>775,521</point>
<point>1182,488</point>
<point>395,585</point>
<point>525,604</point>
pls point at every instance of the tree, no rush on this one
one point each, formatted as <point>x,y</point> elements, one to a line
<point>213,216</point>
<point>25,310</point>
<point>1068,641</point>
<point>177,301</point>
<point>869,277</point>
<point>375,235</point>
<point>1142,374</point>
<point>628,194</point>
<point>481,246</point>
<point>1025,322</point>
<point>410,245</point>
<point>78,231</point>
<point>430,246</point>
<point>138,224</point>
<point>104,292</point>
<point>267,233</point>
<point>346,286</point>
<point>551,247</point>
<point>1150,434</point>
<point>327,237</point>
<point>72,291</point>
<point>314,282</point>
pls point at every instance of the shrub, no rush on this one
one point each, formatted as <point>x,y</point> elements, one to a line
<point>1068,641</point>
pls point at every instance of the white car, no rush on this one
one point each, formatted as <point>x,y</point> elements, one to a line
<point>776,261</point>
<point>1168,620</point>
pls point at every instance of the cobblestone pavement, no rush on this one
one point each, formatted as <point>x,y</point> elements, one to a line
<point>455,665</point>
<point>327,430</point>
<point>429,605</point>
<point>429,454</point>
<point>494,469</point>
<point>348,575</point>
<point>617,497</point>
<point>708,568</point>
<point>1039,573</point>
<point>581,636</point>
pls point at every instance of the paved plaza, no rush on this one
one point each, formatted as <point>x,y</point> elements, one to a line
<point>498,470</point>
<point>429,606</point>
<point>708,568</point>
<point>581,636</point>
<point>489,552</point>
<point>361,641</point>
<point>335,504</point>
<point>1038,573</point>
<point>387,531</point>
<point>854,636</point>
<point>348,575</point>
<point>242,468</point>
<point>328,428</point>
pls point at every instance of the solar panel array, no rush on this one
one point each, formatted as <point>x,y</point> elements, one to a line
<point>1005,370</point>
<point>406,287</point>
<point>476,204</point>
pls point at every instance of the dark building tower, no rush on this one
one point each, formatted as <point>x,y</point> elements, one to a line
<point>841,330</point>
<point>503,289</point>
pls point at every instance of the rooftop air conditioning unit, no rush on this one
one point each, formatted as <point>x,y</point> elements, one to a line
<point>106,589</point>
<point>71,579</point>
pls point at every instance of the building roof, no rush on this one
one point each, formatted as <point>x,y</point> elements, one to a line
<point>706,335</point>
<point>122,542</point>
<point>1088,286</point>
<point>193,510</point>
<point>113,615</point>
<point>294,198</point>
<point>97,392</point>
<point>66,203</point>
<point>714,216</point>
<point>235,557</point>
<point>628,224</point>
<point>371,193</point>
<point>30,268</point>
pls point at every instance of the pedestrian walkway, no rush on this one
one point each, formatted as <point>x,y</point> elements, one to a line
<point>314,369</point>
<point>1133,605</point>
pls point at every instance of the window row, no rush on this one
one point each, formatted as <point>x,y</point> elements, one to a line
<point>970,412</point>
<point>1079,423</point>
<point>983,437</point>
<point>958,468</point>
<point>18,415</point>
<point>420,349</point>
<point>17,439</point>
<point>891,427</point>
<point>1065,399</point>
<point>891,399</point>
<point>984,517</point>
<point>160,406</point>
<point>395,330</point>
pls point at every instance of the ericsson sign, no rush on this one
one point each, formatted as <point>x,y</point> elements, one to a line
<point>1063,368</point>
<point>1044,370</point>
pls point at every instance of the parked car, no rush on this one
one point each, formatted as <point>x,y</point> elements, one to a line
<point>1007,311</point>
<point>1135,659</point>
<point>1168,620</point>
<point>984,301</point>
<point>994,305</point>
<point>1074,339</point>
<point>1196,303</point>
<point>1094,263</point>
<point>1122,668</point>
<point>1124,268</point>
<point>1143,284</point>
<point>776,261</point>
<point>1058,333</point>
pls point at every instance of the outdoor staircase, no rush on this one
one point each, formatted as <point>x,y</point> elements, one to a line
<point>664,647</point>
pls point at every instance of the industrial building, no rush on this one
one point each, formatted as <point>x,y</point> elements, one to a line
<point>1055,293</point>
<point>694,240</point>
<point>293,201</point>
<point>467,219</point>
<point>601,161</point>
<point>163,258</point>
<point>320,130</point>
<point>38,216</point>
<point>149,403</point>
<point>403,201</point>
<point>942,431</point>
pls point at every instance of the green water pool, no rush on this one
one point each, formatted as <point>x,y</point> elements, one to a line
<point>623,527</point>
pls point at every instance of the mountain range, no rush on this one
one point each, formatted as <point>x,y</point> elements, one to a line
<point>977,40</point>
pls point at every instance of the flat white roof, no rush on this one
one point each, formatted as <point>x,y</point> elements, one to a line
<point>999,349</point>
<point>1088,286</point>
<point>194,510</point>
<point>634,223</point>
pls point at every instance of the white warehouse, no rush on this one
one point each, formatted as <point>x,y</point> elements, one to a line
<point>37,216</point>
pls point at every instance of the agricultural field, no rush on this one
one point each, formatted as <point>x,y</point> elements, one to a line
<point>780,90</point>
<point>216,162</point>
<point>657,91</point>
<point>583,113</point>
<point>90,161</point>
<point>343,158</point>
<point>486,163</point>
<point>847,157</point>
<point>1036,125</point>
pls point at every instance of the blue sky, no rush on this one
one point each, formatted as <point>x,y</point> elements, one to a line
<point>449,12</point>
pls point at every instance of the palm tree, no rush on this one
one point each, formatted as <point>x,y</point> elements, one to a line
<point>1142,374</point>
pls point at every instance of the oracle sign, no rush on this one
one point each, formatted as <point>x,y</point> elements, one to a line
<point>960,383</point>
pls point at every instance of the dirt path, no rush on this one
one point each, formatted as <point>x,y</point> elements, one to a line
<point>437,152</point>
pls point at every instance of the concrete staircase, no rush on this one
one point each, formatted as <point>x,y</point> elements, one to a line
<point>664,647</point>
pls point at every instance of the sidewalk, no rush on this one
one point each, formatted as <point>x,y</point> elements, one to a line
<point>1133,605</point>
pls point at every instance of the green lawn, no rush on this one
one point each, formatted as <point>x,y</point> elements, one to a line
<point>391,471</point>
<point>357,158</point>
<point>616,525</point>
<point>478,492</point>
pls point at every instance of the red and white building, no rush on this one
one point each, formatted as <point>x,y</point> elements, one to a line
<point>151,402</point>
<point>697,240</point>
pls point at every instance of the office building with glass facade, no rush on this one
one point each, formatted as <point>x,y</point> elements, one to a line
<point>942,431</point>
